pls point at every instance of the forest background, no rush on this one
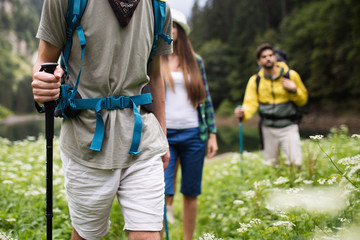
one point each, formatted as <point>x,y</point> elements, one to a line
<point>321,38</point>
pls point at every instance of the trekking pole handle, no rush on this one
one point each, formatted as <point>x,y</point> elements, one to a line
<point>49,68</point>
<point>49,107</point>
<point>239,106</point>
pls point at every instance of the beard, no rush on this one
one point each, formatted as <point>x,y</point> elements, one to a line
<point>268,65</point>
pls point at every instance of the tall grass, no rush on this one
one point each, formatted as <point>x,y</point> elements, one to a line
<point>321,201</point>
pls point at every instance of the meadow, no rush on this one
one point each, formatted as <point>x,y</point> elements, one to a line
<point>320,201</point>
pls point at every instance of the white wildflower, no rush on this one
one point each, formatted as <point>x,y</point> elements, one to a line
<point>208,236</point>
<point>354,170</point>
<point>300,179</point>
<point>293,190</point>
<point>355,136</point>
<point>255,221</point>
<point>244,227</point>
<point>281,180</point>
<point>258,184</point>
<point>317,137</point>
<point>31,138</point>
<point>11,220</point>
<point>250,194</point>
<point>242,230</point>
<point>4,236</point>
<point>288,225</point>
<point>283,214</point>
<point>321,181</point>
<point>220,216</point>
<point>8,182</point>
<point>344,220</point>
<point>32,193</point>
<point>308,182</point>
<point>26,167</point>
<point>345,161</point>
<point>18,162</point>
<point>238,202</point>
<point>57,210</point>
<point>331,181</point>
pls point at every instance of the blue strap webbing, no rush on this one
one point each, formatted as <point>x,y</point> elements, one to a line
<point>111,103</point>
<point>74,14</point>
<point>159,18</point>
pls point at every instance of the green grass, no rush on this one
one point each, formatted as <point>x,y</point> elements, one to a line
<point>232,206</point>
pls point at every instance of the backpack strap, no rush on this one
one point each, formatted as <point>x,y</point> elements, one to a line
<point>257,80</point>
<point>159,7</point>
<point>74,14</point>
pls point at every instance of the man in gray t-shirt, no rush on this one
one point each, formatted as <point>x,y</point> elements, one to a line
<point>114,64</point>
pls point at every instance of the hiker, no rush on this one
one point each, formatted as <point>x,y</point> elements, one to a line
<point>275,91</point>
<point>190,120</point>
<point>114,66</point>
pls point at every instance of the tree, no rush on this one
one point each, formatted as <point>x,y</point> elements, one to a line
<point>328,59</point>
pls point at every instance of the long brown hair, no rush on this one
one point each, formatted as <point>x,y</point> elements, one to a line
<point>189,66</point>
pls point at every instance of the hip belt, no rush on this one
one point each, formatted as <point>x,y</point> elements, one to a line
<point>67,102</point>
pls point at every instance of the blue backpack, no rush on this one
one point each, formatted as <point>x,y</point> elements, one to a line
<point>70,101</point>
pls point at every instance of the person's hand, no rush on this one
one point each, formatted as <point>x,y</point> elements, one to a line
<point>288,84</point>
<point>239,112</point>
<point>212,146</point>
<point>46,86</point>
<point>165,159</point>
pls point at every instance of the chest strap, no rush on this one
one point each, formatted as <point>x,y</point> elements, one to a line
<point>112,103</point>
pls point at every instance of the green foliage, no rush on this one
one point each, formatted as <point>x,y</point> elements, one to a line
<point>217,65</point>
<point>329,65</point>
<point>232,206</point>
<point>18,26</point>
<point>226,109</point>
<point>4,112</point>
<point>321,38</point>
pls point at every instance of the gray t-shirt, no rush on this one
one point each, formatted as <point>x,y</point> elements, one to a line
<point>115,64</point>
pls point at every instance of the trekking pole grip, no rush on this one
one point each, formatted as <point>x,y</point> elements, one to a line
<point>49,106</point>
<point>239,106</point>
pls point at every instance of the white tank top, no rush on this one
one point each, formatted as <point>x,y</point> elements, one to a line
<point>179,112</point>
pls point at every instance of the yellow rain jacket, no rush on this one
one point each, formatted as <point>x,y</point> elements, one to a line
<point>276,106</point>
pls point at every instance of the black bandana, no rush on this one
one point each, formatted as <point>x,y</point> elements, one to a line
<point>124,10</point>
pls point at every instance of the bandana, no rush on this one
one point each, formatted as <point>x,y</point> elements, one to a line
<point>124,10</point>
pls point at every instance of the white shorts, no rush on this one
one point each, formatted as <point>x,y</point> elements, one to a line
<point>286,138</point>
<point>91,192</point>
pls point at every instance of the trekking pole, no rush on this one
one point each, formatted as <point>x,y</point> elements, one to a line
<point>166,222</point>
<point>49,133</point>
<point>241,143</point>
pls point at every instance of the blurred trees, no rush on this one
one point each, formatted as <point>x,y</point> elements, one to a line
<point>321,38</point>
<point>19,21</point>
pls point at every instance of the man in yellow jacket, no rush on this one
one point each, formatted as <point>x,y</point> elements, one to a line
<point>275,92</point>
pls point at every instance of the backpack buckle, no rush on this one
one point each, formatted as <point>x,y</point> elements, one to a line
<point>112,103</point>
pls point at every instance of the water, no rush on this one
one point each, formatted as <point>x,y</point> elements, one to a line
<point>22,130</point>
<point>227,136</point>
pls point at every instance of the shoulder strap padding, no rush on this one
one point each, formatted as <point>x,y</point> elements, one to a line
<point>159,7</point>
<point>74,14</point>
